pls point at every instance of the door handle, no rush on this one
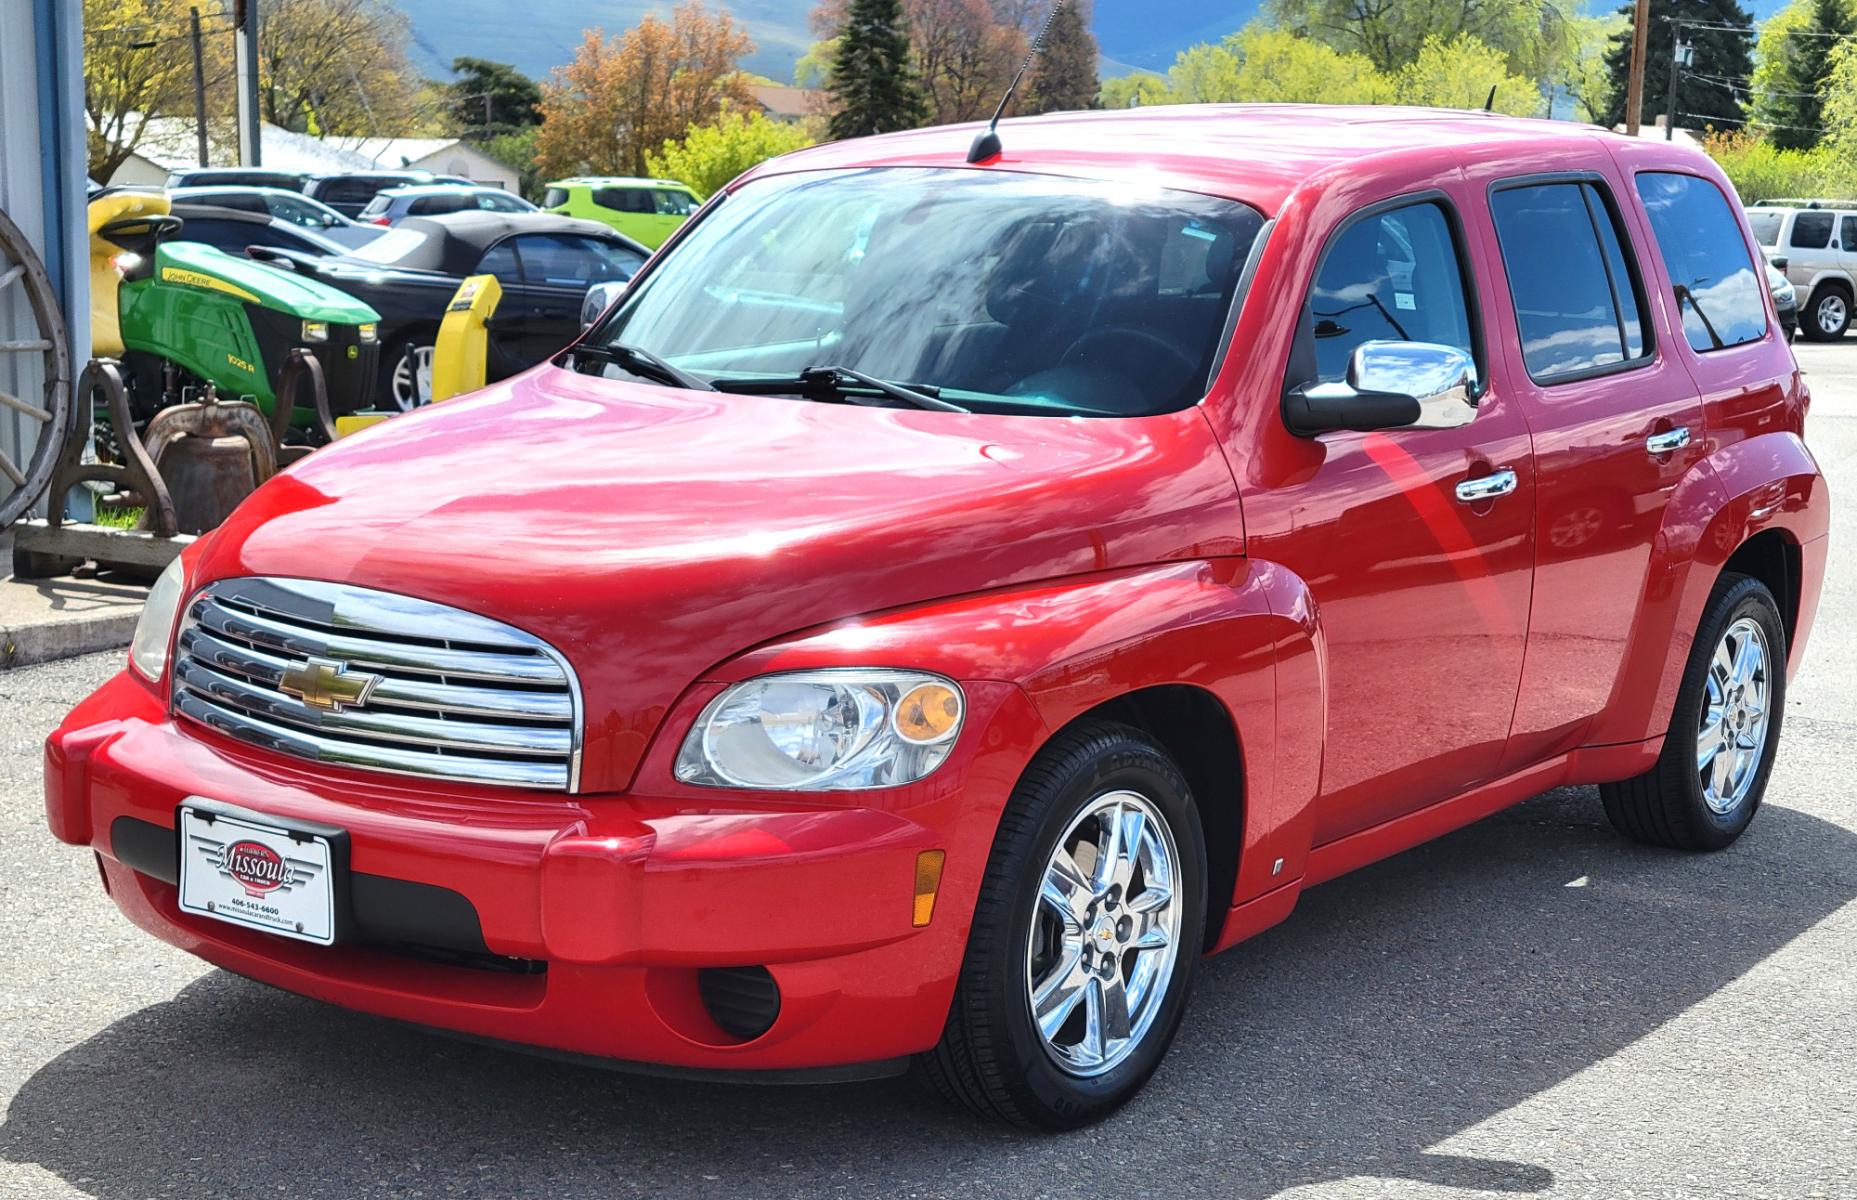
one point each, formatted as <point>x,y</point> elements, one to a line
<point>1487,487</point>
<point>1664,443</point>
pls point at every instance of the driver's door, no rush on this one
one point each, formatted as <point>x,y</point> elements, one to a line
<point>1421,587</point>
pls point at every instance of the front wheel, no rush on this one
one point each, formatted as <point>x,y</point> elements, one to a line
<point>1723,734</point>
<point>1089,924</point>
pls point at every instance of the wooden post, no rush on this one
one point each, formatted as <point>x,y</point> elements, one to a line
<point>1634,82</point>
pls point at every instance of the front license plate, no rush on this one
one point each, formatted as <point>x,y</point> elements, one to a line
<point>257,875</point>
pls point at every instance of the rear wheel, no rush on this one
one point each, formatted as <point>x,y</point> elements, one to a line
<point>1828,314</point>
<point>1089,924</point>
<point>1724,733</point>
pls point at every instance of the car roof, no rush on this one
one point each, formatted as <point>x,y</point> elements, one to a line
<point>190,211</point>
<point>1255,153</point>
<point>240,189</point>
<point>455,241</point>
<point>436,189</point>
<point>616,181</point>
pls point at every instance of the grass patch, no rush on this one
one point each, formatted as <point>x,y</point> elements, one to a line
<point>120,518</point>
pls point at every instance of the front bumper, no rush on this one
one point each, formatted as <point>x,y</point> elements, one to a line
<point>581,924</point>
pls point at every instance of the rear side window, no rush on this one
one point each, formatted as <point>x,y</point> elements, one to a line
<point>358,190</point>
<point>376,206</point>
<point>1720,294</point>
<point>1390,276</point>
<point>1575,301</point>
<point>1812,230</point>
<point>429,205</point>
<point>1766,227</point>
<point>628,200</point>
<point>554,197</point>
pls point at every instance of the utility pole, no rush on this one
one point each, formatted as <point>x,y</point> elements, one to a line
<point>199,88</point>
<point>1681,55</point>
<point>245,18</point>
<point>1634,82</point>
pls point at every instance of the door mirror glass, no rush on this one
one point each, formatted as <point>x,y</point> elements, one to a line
<point>1390,385</point>
<point>600,297</point>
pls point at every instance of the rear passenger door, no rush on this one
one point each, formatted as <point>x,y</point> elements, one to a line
<point>1616,423</point>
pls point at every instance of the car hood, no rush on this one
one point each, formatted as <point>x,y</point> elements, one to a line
<point>650,534</point>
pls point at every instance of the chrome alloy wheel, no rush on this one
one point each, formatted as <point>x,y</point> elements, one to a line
<point>1732,734</point>
<point>1105,935</point>
<point>1832,312</point>
<point>412,386</point>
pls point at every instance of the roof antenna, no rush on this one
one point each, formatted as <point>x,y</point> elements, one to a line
<point>986,143</point>
<point>1489,102</point>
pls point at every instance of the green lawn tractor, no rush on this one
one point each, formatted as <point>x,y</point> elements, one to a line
<point>181,315</point>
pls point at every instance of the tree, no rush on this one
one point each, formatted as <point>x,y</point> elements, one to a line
<point>493,98</point>
<point>1534,36</point>
<point>1263,64</point>
<point>1583,76</point>
<point>709,156</point>
<point>872,82</point>
<point>516,150</point>
<point>1460,73</point>
<point>966,57</point>
<point>1135,91</point>
<point>626,95</point>
<point>136,67</point>
<point>1793,63</point>
<point>1064,78</point>
<point>1708,92</point>
<point>338,68</point>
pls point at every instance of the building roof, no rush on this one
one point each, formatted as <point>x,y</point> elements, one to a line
<point>785,103</point>
<point>170,142</point>
<point>1257,153</point>
<point>393,154</point>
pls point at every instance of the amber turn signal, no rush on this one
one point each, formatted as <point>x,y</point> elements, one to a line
<point>927,713</point>
<point>928,882</point>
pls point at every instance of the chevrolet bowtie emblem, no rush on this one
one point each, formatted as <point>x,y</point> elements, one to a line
<point>326,684</point>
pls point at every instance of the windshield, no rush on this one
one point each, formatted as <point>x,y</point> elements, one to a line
<point>1766,227</point>
<point>1009,292</point>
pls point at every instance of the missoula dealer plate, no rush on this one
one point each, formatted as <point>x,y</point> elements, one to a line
<point>258,875</point>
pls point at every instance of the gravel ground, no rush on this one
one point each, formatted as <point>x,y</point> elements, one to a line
<point>1529,1006</point>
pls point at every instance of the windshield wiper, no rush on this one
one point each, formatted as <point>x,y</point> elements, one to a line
<point>840,382</point>
<point>642,363</point>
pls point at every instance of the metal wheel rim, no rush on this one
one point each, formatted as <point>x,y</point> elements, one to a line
<point>403,396</point>
<point>1105,934</point>
<point>1731,735</point>
<point>1831,313</point>
<point>21,271</point>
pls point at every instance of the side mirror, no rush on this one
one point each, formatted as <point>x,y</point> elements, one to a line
<point>1390,385</point>
<point>600,297</point>
<point>1780,263</point>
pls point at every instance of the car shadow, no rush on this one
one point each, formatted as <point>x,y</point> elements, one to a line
<point>1397,1007</point>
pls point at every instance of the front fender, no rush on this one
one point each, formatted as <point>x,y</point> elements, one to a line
<point>1763,483</point>
<point>1243,631</point>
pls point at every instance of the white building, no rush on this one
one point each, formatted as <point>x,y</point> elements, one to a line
<point>172,144</point>
<point>441,156</point>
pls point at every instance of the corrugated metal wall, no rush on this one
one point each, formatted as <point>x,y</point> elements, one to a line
<point>41,185</point>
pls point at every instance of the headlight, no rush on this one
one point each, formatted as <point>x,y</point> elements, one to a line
<point>148,650</point>
<point>315,331</point>
<point>824,730</point>
<point>368,333</point>
<point>1785,294</point>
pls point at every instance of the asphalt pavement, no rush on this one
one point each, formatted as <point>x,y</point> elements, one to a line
<point>1531,1006</point>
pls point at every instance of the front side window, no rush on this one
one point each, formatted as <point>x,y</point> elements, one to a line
<point>1847,232</point>
<point>1575,304</point>
<point>1720,294</point>
<point>301,212</point>
<point>1390,276</point>
<point>1008,292</point>
<point>1812,230</point>
<point>674,203</point>
<point>568,260</point>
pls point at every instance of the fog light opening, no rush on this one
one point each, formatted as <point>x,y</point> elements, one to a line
<point>928,882</point>
<point>744,1002</point>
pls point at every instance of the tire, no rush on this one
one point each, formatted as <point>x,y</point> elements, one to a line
<point>1671,804</point>
<point>1828,314</point>
<point>993,1056</point>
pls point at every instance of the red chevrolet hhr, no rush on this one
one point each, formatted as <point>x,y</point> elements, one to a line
<point>940,601</point>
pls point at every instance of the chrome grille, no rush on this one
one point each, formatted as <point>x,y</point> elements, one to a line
<point>358,678</point>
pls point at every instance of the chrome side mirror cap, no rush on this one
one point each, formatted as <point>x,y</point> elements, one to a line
<point>1390,385</point>
<point>600,297</point>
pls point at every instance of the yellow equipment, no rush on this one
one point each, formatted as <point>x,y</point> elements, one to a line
<point>460,356</point>
<point>106,338</point>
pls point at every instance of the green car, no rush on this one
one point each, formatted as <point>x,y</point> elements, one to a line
<point>646,210</point>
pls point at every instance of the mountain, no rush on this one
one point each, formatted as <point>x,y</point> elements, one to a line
<point>539,35</point>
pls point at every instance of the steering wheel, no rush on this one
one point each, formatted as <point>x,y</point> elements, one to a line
<point>1166,346</point>
<point>145,230</point>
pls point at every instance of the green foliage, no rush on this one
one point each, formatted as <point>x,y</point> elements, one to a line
<point>872,82</point>
<point>1840,111</point>
<point>1534,36</point>
<point>517,150</point>
<point>1460,73</point>
<point>1584,75</point>
<point>1064,78</point>
<point>492,98</point>
<point>1793,68</point>
<point>1134,91</point>
<point>1720,53</point>
<point>1760,170</point>
<point>708,156</point>
<point>814,67</point>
